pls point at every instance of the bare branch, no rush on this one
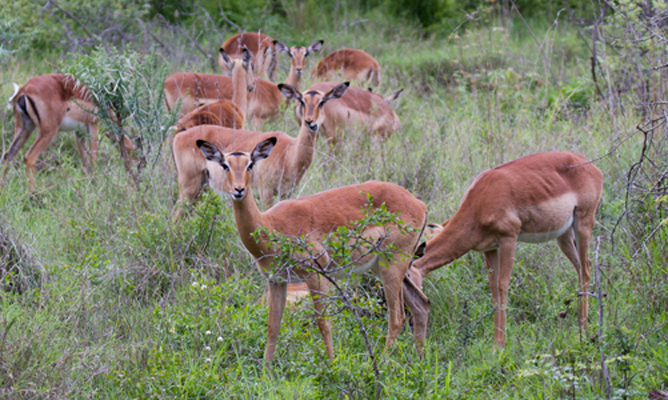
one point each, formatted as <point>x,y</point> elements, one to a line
<point>73,18</point>
<point>222,14</point>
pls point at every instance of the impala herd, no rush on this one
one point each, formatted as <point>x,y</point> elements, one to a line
<point>536,198</point>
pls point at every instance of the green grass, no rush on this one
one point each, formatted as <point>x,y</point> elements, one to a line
<point>133,306</point>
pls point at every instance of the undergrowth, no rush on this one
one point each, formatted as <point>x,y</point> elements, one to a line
<point>133,305</point>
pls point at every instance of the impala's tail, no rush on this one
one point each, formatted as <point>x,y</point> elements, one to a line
<point>374,77</point>
<point>10,102</point>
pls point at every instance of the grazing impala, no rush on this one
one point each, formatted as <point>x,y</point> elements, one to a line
<point>316,217</point>
<point>278,175</point>
<point>298,56</point>
<point>51,103</point>
<point>357,107</point>
<point>223,113</point>
<point>262,47</point>
<point>355,65</point>
<point>533,199</point>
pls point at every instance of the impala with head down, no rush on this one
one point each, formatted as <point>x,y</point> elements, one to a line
<point>276,176</point>
<point>316,217</point>
<point>51,103</point>
<point>355,65</point>
<point>533,199</point>
<point>222,113</point>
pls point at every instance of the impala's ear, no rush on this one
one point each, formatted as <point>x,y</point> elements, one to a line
<point>419,252</point>
<point>394,96</point>
<point>315,46</point>
<point>282,47</point>
<point>226,59</point>
<point>336,93</point>
<point>263,149</point>
<point>290,92</point>
<point>210,151</point>
<point>246,57</point>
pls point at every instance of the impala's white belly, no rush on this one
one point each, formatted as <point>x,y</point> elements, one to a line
<point>548,220</point>
<point>545,236</point>
<point>360,269</point>
<point>544,221</point>
<point>70,124</point>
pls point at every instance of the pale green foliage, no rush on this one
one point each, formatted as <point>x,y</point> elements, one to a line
<point>126,88</point>
<point>120,316</point>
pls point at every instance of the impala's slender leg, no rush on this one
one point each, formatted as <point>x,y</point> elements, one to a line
<point>318,288</point>
<point>93,144</point>
<point>393,280</point>
<point>83,151</point>
<point>568,245</point>
<point>585,225</point>
<point>500,263</point>
<point>24,127</point>
<point>44,137</point>
<point>278,292</point>
<point>492,262</point>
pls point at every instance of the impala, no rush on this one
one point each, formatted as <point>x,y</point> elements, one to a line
<point>354,65</point>
<point>278,175</point>
<point>533,199</point>
<point>195,90</point>
<point>317,216</point>
<point>260,45</point>
<point>262,100</point>
<point>298,56</point>
<point>51,103</point>
<point>223,113</point>
<point>357,107</point>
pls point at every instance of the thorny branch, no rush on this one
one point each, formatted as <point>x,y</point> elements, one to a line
<point>308,259</point>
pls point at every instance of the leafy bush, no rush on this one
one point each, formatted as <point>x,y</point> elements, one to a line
<point>127,91</point>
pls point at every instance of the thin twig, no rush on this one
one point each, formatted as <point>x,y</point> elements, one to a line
<point>222,14</point>
<point>73,18</point>
<point>540,46</point>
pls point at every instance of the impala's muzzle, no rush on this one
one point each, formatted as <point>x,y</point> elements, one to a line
<point>311,125</point>
<point>239,193</point>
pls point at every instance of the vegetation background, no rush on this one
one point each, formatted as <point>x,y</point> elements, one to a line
<point>102,296</point>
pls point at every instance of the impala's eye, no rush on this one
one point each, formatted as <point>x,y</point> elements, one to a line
<point>250,166</point>
<point>225,166</point>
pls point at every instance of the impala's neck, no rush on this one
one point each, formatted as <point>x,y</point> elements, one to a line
<point>303,151</point>
<point>455,240</point>
<point>240,96</point>
<point>248,218</point>
<point>293,79</point>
